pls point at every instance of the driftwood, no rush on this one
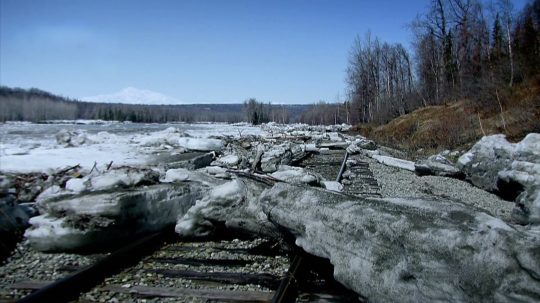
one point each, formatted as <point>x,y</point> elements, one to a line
<point>263,279</point>
<point>209,294</point>
<point>268,180</point>
<point>343,165</point>
<point>63,171</point>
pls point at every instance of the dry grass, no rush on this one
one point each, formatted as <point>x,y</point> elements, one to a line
<point>460,124</point>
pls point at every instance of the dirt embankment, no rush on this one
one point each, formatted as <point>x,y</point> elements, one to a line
<point>458,125</point>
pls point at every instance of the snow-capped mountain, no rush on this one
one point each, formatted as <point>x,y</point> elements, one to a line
<point>132,95</point>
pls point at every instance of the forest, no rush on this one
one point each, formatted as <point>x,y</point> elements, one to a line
<point>35,105</point>
<point>479,51</point>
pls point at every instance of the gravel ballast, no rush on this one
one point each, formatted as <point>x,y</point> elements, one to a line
<point>395,182</point>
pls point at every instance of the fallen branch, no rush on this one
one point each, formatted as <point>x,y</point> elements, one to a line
<point>270,181</point>
<point>63,171</point>
<point>94,167</point>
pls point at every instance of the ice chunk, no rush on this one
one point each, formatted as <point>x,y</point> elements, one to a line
<point>394,162</point>
<point>295,175</point>
<point>333,186</point>
<point>200,144</point>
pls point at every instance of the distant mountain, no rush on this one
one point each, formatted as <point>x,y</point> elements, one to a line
<point>132,95</point>
<point>17,104</point>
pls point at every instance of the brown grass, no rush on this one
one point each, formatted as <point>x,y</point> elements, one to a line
<point>460,124</point>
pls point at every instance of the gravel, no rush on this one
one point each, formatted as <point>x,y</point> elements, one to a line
<point>26,264</point>
<point>395,182</point>
<point>138,275</point>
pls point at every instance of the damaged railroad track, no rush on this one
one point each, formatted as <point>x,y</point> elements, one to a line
<point>164,267</point>
<point>251,270</point>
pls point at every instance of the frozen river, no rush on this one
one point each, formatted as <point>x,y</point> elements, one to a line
<point>28,147</point>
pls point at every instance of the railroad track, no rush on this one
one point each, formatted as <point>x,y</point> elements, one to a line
<point>164,268</point>
<point>358,179</point>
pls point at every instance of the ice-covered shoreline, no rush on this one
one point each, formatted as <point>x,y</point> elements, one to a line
<point>242,179</point>
<point>24,148</point>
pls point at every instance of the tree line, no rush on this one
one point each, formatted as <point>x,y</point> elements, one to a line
<point>36,105</point>
<point>462,49</point>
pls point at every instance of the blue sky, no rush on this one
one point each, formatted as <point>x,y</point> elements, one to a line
<point>194,51</point>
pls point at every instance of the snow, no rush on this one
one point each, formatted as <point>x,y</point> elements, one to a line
<point>394,162</point>
<point>51,159</point>
<point>76,185</point>
<point>194,223</point>
<point>27,147</point>
<point>116,178</point>
<point>228,160</point>
<point>295,175</point>
<point>132,95</point>
<point>200,144</point>
<point>333,186</point>
<point>48,227</point>
<point>176,175</point>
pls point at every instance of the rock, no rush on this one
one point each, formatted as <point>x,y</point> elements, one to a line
<point>437,165</point>
<point>411,249</point>
<point>96,220</point>
<point>482,163</point>
<point>296,175</point>
<point>233,205</point>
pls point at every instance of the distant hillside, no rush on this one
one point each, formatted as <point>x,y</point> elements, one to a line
<point>36,105</point>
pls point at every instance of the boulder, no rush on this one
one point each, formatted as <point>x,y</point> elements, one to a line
<point>415,250</point>
<point>437,165</point>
